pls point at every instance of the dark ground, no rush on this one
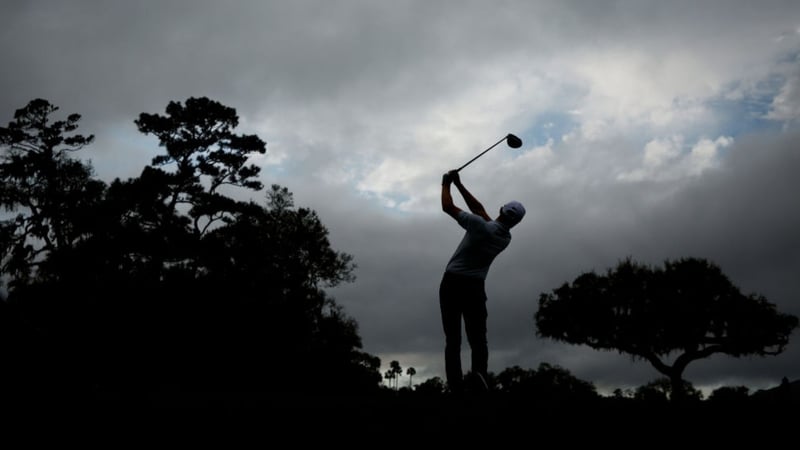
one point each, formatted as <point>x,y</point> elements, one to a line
<point>375,420</point>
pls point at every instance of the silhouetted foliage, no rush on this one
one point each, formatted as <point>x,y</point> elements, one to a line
<point>50,193</point>
<point>200,143</point>
<point>661,391</point>
<point>396,371</point>
<point>689,306</point>
<point>162,280</point>
<point>729,395</point>
<point>622,393</point>
<point>411,372</point>
<point>547,383</point>
<point>390,376</point>
<point>431,387</point>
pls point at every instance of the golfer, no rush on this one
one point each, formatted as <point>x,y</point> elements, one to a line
<point>462,293</point>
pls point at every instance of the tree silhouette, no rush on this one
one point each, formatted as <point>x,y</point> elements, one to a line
<point>620,394</point>
<point>729,395</point>
<point>512,378</point>
<point>689,307</point>
<point>51,193</point>
<point>51,197</point>
<point>397,371</point>
<point>547,383</point>
<point>410,372</point>
<point>431,387</point>
<point>162,279</point>
<point>661,390</point>
<point>389,375</point>
<point>200,143</point>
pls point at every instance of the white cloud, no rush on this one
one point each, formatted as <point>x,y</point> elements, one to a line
<point>667,159</point>
<point>786,105</point>
<point>632,88</point>
<point>659,152</point>
<point>705,154</point>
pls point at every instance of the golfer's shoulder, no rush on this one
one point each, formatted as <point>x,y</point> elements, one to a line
<point>468,217</point>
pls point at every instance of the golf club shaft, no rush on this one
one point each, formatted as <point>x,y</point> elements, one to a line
<point>481,154</point>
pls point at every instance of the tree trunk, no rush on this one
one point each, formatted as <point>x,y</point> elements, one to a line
<point>678,392</point>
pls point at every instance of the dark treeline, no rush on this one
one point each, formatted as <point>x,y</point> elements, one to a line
<point>163,281</point>
<point>553,385</point>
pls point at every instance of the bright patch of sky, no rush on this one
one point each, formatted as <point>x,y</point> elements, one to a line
<point>549,126</point>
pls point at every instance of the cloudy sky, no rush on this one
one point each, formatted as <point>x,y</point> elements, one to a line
<point>653,130</point>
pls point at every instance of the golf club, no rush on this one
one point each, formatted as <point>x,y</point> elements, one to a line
<point>511,140</point>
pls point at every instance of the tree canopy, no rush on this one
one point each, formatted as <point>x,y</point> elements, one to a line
<point>688,307</point>
<point>164,278</point>
<point>38,179</point>
<point>548,383</point>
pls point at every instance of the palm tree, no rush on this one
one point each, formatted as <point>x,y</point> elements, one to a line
<point>389,375</point>
<point>396,370</point>
<point>410,372</point>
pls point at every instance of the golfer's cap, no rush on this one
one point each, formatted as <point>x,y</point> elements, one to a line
<point>513,210</point>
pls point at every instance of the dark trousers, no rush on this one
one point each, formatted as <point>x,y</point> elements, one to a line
<point>463,297</point>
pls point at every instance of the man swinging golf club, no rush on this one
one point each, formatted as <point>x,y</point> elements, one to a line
<point>462,293</point>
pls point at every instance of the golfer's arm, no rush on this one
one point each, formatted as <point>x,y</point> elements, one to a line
<point>472,203</point>
<point>447,202</point>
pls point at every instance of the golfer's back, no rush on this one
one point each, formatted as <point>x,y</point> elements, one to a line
<point>482,242</point>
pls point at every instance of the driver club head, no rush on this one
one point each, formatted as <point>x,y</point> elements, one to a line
<point>513,141</point>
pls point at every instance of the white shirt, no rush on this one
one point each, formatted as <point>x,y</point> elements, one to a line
<point>483,241</point>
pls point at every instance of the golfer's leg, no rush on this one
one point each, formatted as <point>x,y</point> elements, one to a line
<point>451,322</point>
<point>475,316</point>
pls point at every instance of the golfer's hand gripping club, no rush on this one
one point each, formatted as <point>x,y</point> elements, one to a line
<point>454,177</point>
<point>451,177</point>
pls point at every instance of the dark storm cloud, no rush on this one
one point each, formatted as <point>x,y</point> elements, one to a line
<point>745,216</point>
<point>101,57</point>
